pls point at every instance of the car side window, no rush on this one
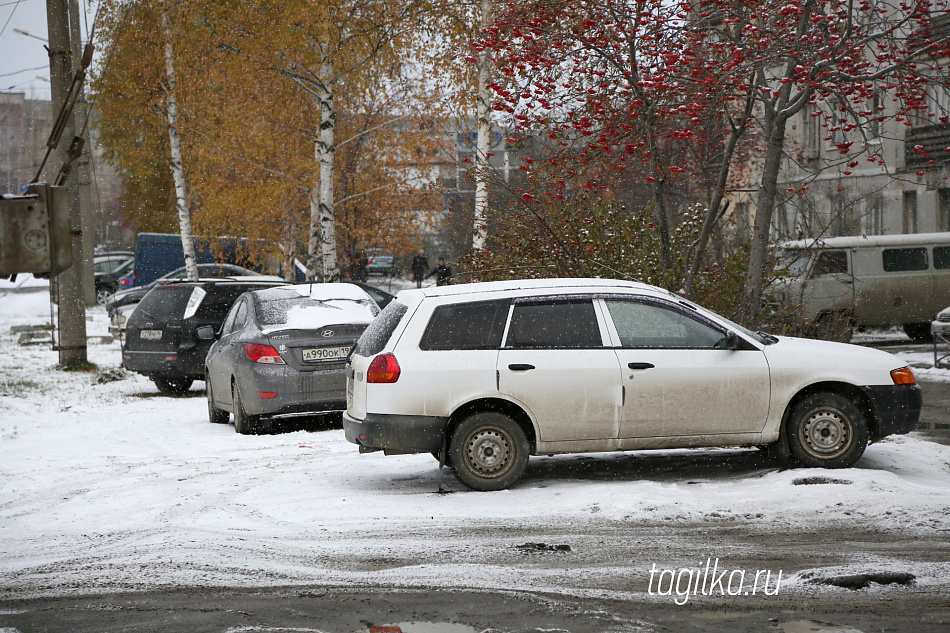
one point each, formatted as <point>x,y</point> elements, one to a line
<point>554,324</point>
<point>476,325</point>
<point>240,317</point>
<point>830,263</point>
<point>647,325</point>
<point>228,325</point>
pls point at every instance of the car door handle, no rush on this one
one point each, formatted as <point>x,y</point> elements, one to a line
<point>640,365</point>
<point>520,367</point>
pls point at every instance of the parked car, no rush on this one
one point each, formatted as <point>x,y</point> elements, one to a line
<point>380,296</point>
<point>879,280</point>
<point>380,262</point>
<point>281,352</point>
<point>161,340</point>
<point>484,375</point>
<point>107,270</point>
<point>205,271</point>
<point>941,323</point>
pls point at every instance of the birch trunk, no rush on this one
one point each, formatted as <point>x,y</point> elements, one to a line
<point>177,167</point>
<point>323,263</point>
<point>483,115</point>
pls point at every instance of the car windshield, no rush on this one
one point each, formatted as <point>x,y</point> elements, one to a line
<point>793,261</point>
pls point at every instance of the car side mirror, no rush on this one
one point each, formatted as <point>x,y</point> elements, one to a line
<point>732,340</point>
<point>205,333</point>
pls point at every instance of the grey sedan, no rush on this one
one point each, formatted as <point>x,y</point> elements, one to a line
<point>281,352</point>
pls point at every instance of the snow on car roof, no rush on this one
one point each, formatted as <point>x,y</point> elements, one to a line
<point>531,284</point>
<point>334,303</point>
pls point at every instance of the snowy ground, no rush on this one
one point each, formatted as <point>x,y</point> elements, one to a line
<point>111,486</point>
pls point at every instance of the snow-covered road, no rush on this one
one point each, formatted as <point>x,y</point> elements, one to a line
<point>109,486</point>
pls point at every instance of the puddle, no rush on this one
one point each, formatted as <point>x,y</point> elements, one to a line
<point>422,627</point>
<point>810,626</point>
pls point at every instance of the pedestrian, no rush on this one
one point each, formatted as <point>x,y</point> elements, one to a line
<point>442,272</point>
<point>361,261</point>
<point>420,268</point>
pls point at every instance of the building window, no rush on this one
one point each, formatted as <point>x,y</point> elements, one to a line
<point>811,130</point>
<point>874,124</point>
<point>909,218</point>
<point>943,210</point>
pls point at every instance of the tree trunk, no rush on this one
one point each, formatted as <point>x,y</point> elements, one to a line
<point>177,167</point>
<point>323,263</point>
<point>483,115</point>
<point>768,186</point>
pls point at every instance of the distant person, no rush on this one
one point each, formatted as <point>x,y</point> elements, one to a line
<point>361,261</point>
<point>442,272</point>
<point>420,268</point>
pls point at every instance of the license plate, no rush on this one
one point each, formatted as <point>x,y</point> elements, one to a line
<point>151,335</point>
<point>325,353</point>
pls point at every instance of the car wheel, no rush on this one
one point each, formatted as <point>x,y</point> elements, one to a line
<point>172,385</point>
<point>489,451</point>
<point>918,332</point>
<point>826,430</point>
<point>102,295</point>
<point>834,326</point>
<point>243,423</point>
<point>215,415</point>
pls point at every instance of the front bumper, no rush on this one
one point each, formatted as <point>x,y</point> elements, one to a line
<point>407,433</point>
<point>897,408</point>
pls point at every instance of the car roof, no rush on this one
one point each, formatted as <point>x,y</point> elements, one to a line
<point>564,284</point>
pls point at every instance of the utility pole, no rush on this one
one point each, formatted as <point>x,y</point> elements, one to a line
<point>72,311</point>
<point>84,171</point>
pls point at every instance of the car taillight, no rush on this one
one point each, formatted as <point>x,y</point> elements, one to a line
<point>903,376</point>
<point>383,369</point>
<point>263,354</point>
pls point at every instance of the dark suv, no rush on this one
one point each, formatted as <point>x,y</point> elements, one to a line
<point>161,342</point>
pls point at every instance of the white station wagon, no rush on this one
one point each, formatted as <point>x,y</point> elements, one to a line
<point>484,375</point>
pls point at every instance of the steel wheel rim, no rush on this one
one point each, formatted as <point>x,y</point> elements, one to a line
<point>489,452</point>
<point>827,433</point>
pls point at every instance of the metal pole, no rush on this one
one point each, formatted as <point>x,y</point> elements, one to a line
<point>72,310</point>
<point>83,166</point>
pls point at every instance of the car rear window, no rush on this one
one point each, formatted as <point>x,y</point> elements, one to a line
<point>377,334</point>
<point>900,259</point>
<point>165,303</point>
<point>477,325</point>
<point>563,324</point>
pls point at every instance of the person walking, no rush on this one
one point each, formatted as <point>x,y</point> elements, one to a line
<point>442,272</point>
<point>420,268</point>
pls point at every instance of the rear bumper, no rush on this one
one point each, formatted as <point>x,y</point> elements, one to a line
<point>188,364</point>
<point>410,433</point>
<point>297,392</point>
<point>897,408</point>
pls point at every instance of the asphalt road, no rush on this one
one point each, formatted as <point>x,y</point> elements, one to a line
<point>380,609</point>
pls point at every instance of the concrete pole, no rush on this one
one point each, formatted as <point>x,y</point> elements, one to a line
<point>72,310</point>
<point>83,167</point>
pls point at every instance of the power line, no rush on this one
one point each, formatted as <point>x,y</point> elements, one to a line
<point>9,18</point>
<point>25,70</point>
<point>7,4</point>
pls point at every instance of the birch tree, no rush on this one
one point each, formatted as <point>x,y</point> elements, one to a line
<point>174,142</point>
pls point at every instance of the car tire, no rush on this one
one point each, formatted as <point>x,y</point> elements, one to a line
<point>243,423</point>
<point>834,326</point>
<point>172,385</point>
<point>918,332</point>
<point>215,415</point>
<point>826,430</point>
<point>102,295</point>
<point>488,451</point>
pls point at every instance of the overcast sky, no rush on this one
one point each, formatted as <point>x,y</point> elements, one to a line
<point>22,58</point>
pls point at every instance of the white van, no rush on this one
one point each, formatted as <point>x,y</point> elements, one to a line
<point>873,281</point>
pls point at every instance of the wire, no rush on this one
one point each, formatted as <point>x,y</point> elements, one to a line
<point>7,4</point>
<point>25,70</point>
<point>7,23</point>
